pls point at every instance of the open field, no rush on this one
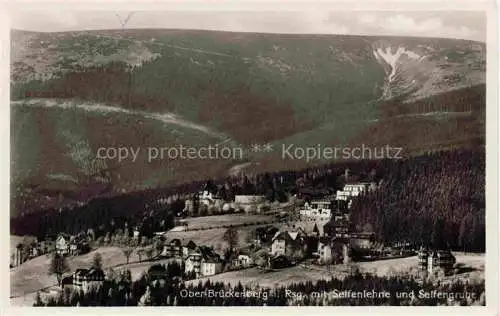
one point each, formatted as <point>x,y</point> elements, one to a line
<point>303,273</point>
<point>225,220</point>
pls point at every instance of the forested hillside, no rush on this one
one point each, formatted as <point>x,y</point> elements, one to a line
<point>438,199</point>
<point>432,198</point>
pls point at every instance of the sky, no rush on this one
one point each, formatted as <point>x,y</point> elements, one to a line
<point>449,24</point>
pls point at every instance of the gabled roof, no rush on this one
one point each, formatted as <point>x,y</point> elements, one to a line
<point>62,236</point>
<point>90,273</point>
<point>292,235</point>
<point>209,255</point>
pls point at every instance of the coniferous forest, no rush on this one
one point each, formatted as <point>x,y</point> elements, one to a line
<point>154,290</point>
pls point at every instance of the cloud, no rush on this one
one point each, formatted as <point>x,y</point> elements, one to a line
<point>43,20</point>
<point>405,25</point>
<point>367,18</point>
<point>409,23</point>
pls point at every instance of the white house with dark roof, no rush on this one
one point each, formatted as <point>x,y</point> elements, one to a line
<point>88,278</point>
<point>62,245</point>
<point>291,244</point>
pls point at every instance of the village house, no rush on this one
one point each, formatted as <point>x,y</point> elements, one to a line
<point>241,260</point>
<point>352,190</point>
<point>175,248</point>
<point>332,251</point>
<point>192,264</point>
<point>291,244</point>
<point>87,279</point>
<point>317,210</point>
<point>62,245</point>
<point>264,235</point>
<point>188,248</point>
<point>279,262</point>
<point>73,247</point>
<point>172,249</point>
<point>209,199</point>
<point>136,233</point>
<point>341,251</point>
<point>431,260</point>
<point>338,227</point>
<point>324,251</point>
<point>203,262</point>
<point>248,202</point>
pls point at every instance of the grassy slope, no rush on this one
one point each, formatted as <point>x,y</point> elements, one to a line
<point>312,273</point>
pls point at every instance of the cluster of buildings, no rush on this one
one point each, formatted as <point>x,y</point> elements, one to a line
<point>67,245</point>
<point>202,261</point>
<point>215,201</point>
<point>64,244</point>
<point>337,241</point>
<point>323,209</point>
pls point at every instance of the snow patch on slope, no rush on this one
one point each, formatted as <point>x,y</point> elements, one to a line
<point>392,58</point>
<point>397,62</point>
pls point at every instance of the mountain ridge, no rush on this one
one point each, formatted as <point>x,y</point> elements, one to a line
<point>250,88</point>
